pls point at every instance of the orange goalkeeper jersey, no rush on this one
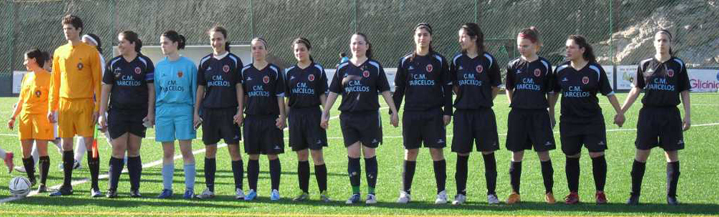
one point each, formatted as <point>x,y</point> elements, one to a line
<point>77,73</point>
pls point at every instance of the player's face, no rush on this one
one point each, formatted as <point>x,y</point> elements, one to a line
<point>422,38</point>
<point>217,40</point>
<point>358,46</point>
<point>302,54</point>
<point>71,33</point>
<point>167,46</point>
<point>573,52</point>
<point>526,47</point>
<point>465,41</point>
<point>29,63</point>
<point>259,51</point>
<point>124,46</point>
<point>661,43</point>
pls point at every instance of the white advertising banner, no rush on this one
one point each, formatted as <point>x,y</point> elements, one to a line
<point>704,80</point>
<point>17,81</point>
<point>625,76</point>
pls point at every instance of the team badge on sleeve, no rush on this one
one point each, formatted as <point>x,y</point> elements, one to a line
<point>537,72</point>
<point>429,67</point>
<point>585,80</point>
<point>480,69</point>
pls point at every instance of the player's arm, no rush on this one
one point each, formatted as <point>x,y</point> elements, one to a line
<point>198,101</point>
<point>54,96</point>
<point>96,71</point>
<point>18,108</point>
<point>150,104</point>
<point>687,110</point>
<point>104,99</point>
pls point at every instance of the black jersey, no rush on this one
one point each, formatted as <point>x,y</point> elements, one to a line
<point>305,86</point>
<point>262,88</point>
<point>530,81</point>
<point>475,78</point>
<point>359,85</point>
<point>579,92</point>
<point>129,81</point>
<point>219,75</point>
<point>426,82</point>
<point>662,82</point>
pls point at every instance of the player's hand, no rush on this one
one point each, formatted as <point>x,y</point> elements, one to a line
<point>394,120</point>
<point>619,119</point>
<point>11,124</point>
<point>280,123</point>
<point>95,116</point>
<point>325,121</point>
<point>51,117</point>
<point>552,121</point>
<point>102,122</point>
<point>687,123</point>
<point>196,121</point>
<point>238,118</point>
<point>447,119</point>
<point>149,119</point>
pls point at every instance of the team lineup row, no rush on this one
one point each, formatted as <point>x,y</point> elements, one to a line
<point>256,102</point>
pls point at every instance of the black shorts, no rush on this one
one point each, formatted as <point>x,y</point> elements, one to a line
<point>364,127</point>
<point>121,121</point>
<point>262,136</point>
<point>219,124</point>
<point>423,127</point>
<point>592,135</point>
<point>305,130</point>
<point>529,128</point>
<point>478,126</point>
<point>659,127</point>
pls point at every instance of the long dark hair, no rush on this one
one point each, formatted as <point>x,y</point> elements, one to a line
<point>368,54</point>
<point>428,28</point>
<point>222,30</point>
<point>175,37</point>
<point>582,43</point>
<point>307,44</point>
<point>669,35</point>
<point>132,38</point>
<point>37,55</point>
<point>473,30</point>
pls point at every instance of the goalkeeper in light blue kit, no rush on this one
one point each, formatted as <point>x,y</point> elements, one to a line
<point>175,91</point>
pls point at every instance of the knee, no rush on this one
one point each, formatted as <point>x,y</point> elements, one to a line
<point>437,154</point>
<point>411,154</point>
<point>543,156</point>
<point>302,155</point>
<point>596,154</point>
<point>254,157</point>
<point>272,157</point>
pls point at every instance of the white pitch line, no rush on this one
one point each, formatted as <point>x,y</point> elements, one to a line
<point>105,176</point>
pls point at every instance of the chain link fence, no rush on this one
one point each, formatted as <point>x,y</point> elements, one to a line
<point>620,30</point>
